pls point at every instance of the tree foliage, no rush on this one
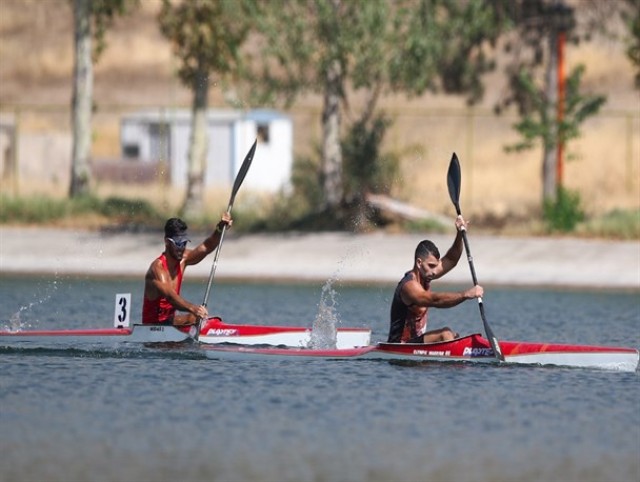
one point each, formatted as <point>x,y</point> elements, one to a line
<point>534,25</point>
<point>324,47</point>
<point>408,46</point>
<point>535,123</point>
<point>341,49</point>
<point>631,16</point>
<point>302,40</point>
<point>367,169</point>
<point>444,45</point>
<point>104,13</point>
<point>541,28</point>
<point>207,36</point>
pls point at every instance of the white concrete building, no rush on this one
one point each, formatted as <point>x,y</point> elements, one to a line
<point>157,136</point>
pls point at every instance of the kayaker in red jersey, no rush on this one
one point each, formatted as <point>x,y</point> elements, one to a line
<point>413,296</point>
<point>164,278</point>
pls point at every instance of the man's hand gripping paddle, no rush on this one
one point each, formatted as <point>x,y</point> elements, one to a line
<point>453,183</point>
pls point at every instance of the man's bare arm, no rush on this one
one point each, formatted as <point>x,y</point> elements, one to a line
<point>414,294</point>
<point>451,258</point>
<point>197,254</point>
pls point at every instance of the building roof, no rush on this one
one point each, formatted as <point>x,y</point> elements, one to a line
<point>213,115</point>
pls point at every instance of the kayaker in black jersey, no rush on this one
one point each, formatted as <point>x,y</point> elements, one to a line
<point>413,296</point>
<point>164,277</point>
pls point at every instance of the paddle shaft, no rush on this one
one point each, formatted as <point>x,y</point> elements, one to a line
<point>244,168</point>
<point>214,266</point>
<point>487,329</point>
<point>453,183</point>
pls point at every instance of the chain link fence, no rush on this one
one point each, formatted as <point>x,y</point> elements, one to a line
<point>603,165</point>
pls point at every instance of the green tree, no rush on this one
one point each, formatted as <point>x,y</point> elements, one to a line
<point>561,209</point>
<point>336,48</point>
<point>207,36</point>
<point>631,16</point>
<point>367,169</point>
<point>319,46</point>
<point>444,45</point>
<point>92,18</point>
<point>536,125</point>
<point>538,25</point>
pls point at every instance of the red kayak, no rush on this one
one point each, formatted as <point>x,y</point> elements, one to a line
<point>477,349</point>
<point>469,349</point>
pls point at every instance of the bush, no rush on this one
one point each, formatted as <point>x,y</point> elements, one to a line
<point>564,213</point>
<point>136,211</point>
<point>366,168</point>
<point>619,224</point>
<point>43,210</point>
<point>35,209</point>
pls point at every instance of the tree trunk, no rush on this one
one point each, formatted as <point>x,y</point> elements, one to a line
<point>82,100</point>
<point>549,181</point>
<point>198,143</point>
<point>331,148</point>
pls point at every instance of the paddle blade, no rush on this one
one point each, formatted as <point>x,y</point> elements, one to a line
<point>454,179</point>
<point>242,172</point>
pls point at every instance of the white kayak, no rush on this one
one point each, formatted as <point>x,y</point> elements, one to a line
<point>213,331</point>
<point>217,331</point>
<point>219,352</point>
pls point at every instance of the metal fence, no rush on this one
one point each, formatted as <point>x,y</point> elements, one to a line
<point>603,165</point>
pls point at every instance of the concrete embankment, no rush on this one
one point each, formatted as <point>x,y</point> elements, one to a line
<point>378,257</point>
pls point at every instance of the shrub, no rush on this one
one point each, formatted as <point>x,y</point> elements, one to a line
<point>565,212</point>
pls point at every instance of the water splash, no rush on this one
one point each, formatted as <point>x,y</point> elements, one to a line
<point>16,322</point>
<point>324,332</point>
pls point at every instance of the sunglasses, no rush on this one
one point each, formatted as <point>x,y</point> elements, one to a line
<point>179,244</point>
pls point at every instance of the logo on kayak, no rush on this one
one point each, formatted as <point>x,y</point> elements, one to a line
<point>222,332</point>
<point>432,352</point>
<point>477,352</point>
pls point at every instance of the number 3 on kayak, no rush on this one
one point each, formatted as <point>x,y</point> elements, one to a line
<point>121,317</point>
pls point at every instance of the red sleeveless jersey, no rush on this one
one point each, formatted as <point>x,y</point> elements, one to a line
<point>160,310</point>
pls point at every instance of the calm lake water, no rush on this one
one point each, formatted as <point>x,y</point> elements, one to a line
<point>133,413</point>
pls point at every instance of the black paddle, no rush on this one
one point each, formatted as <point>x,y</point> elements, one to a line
<point>454,177</point>
<point>236,186</point>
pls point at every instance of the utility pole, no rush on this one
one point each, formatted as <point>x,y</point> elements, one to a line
<point>562,22</point>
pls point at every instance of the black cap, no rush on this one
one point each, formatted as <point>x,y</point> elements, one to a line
<point>176,229</point>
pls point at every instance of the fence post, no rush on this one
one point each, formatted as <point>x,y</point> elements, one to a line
<point>629,156</point>
<point>470,115</point>
<point>15,151</point>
